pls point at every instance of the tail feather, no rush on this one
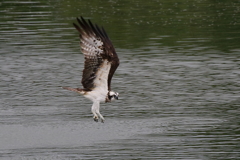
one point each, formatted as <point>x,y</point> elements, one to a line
<point>78,90</point>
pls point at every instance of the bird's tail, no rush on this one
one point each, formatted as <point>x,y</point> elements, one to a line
<point>78,90</point>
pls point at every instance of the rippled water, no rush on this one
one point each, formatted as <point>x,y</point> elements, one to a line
<point>178,81</point>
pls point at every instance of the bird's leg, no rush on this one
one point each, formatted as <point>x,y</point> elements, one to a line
<point>99,114</point>
<point>95,116</point>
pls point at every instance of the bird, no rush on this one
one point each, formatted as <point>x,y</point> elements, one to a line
<point>101,62</point>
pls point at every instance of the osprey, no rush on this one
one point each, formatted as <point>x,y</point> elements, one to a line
<point>101,61</point>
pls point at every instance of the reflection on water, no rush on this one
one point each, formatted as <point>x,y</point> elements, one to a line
<point>178,81</point>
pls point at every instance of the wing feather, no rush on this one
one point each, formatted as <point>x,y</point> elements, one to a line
<point>99,53</point>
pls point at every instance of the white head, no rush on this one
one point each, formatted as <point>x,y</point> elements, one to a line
<point>112,95</point>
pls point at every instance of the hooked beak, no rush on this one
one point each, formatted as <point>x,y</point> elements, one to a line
<point>115,97</point>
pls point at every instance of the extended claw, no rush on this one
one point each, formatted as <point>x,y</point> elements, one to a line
<point>95,119</point>
<point>102,120</point>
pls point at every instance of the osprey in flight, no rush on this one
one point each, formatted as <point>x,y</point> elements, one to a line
<point>101,61</point>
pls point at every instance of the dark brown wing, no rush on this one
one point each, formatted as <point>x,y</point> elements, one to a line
<point>97,48</point>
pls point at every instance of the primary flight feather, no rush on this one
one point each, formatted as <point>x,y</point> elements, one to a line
<point>101,62</point>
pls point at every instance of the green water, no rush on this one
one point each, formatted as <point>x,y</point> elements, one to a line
<point>178,81</point>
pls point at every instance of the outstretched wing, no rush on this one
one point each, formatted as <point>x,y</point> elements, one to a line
<point>101,59</point>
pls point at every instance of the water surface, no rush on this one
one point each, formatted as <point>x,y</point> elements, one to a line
<point>178,81</point>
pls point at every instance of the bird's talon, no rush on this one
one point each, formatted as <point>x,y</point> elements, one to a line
<point>95,119</point>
